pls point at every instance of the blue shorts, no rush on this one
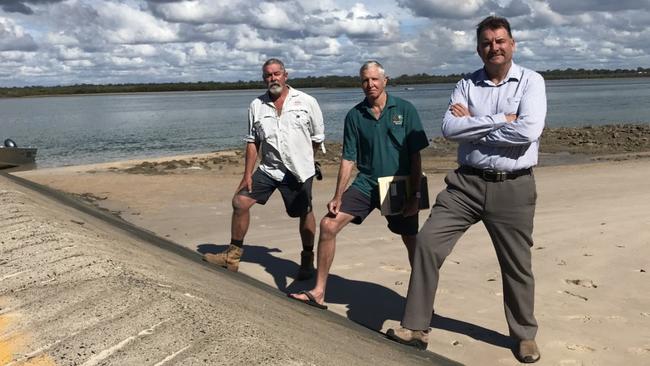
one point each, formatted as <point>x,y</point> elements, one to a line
<point>357,204</point>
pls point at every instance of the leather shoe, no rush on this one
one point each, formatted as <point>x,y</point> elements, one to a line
<point>528,351</point>
<point>416,338</point>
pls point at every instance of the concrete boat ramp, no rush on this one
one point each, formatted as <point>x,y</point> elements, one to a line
<point>81,287</point>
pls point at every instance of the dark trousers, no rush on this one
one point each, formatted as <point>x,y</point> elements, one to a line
<point>507,209</point>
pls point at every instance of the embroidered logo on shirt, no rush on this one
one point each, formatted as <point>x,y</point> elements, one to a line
<point>398,119</point>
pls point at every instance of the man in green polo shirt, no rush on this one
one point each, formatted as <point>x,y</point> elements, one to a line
<point>383,136</point>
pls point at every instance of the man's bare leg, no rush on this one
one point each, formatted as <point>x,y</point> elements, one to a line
<point>240,216</point>
<point>231,257</point>
<point>330,226</point>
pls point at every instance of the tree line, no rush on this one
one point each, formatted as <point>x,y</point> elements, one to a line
<point>330,81</point>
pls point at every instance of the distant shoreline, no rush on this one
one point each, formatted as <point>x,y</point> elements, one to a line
<point>305,82</point>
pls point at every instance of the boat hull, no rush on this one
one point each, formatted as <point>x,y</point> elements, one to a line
<point>15,156</point>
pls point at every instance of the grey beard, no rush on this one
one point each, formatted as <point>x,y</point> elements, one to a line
<point>275,89</point>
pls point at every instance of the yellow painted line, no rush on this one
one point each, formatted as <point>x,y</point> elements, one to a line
<point>14,344</point>
<point>10,344</point>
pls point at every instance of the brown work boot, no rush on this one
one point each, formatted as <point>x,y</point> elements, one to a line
<point>229,258</point>
<point>528,351</point>
<point>416,338</point>
<point>306,270</point>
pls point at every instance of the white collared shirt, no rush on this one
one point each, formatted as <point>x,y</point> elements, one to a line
<point>286,140</point>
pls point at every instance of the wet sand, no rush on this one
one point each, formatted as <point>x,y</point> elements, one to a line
<point>590,256</point>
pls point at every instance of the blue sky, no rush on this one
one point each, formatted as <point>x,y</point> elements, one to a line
<point>61,42</point>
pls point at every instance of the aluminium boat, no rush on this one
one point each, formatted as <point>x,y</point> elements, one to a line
<point>12,156</point>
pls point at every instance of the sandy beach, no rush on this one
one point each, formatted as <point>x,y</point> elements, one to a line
<point>591,253</point>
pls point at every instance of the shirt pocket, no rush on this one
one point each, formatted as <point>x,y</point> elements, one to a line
<point>512,105</point>
<point>298,119</point>
<point>397,135</point>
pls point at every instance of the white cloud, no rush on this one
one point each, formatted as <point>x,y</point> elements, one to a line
<point>203,11</point>
<point>552,42</point>
<point>79,64</point>
<point>311,6</point>
<point>248,39</point>
<point>175,57</point>
<point>581,6</point>
<point>71,53</point>
<point>356,22</point>
<point>136,50</point>
<point>273,16</point>
<point>525,52</point>
<point>545,16</point>
<point>12,57</point>
<point>462,41</point>
<point>31,70</point>
<point>198,52</point>
<point>322,46</point>
<point>60,38</point>
<point>104,41</point>
<point>443,8</point>
<point>14,38</point>
<point>124,24</point>
<point>127,61</point>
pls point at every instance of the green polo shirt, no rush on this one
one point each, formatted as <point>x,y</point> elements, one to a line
<point>382,147</point>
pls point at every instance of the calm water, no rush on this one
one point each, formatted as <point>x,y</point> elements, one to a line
<point>74,130</point>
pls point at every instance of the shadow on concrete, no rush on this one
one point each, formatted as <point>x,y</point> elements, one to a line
<point>368,304</point>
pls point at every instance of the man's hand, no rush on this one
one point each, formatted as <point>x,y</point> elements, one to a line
<point>246,181</point>
<point>411,206</point>
<point>459,110</point>
<point>334,206</point>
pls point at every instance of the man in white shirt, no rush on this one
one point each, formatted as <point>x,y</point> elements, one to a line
<point>285,127</point>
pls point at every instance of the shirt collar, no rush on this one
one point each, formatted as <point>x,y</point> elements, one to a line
<point>390,102</point>
<point>514,73</point>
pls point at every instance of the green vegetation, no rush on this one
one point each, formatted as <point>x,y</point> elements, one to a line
<point>331,81</point>
<point>595,73</point>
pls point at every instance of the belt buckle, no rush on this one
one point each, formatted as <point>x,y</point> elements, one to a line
<point>494,175</point>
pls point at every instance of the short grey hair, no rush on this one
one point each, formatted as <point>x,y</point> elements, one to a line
<point>273,61</point>
<point>372,63</point>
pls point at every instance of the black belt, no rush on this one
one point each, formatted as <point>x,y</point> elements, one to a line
<point>492,175</point>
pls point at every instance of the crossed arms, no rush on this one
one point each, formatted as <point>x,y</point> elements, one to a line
<point>520,125</point>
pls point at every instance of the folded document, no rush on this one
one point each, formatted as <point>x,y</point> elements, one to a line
<point>395,190</point>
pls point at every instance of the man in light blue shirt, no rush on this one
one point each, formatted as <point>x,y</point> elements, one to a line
<point>497,116</point>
